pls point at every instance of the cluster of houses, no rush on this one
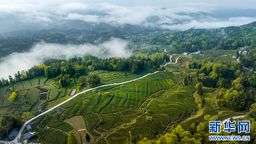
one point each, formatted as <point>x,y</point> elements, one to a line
<point>24,137</point>
<point>198,53</point>
<point>244,53</point>
<point>13,133</point>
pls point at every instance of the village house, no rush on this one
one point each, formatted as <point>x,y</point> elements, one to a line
<point>244,53</point>
<point>186,53</point>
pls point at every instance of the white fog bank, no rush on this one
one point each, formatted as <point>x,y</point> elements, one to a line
<point>42,51</point>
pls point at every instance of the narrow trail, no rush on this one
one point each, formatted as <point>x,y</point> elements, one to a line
<point>126,98</point>
<point>107,104</point>
<point>198,114</point>
<point>171,61</point>
<point>5,96</point>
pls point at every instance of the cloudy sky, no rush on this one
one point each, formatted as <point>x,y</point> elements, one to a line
<point>169,14</point>
<point>166,14</point>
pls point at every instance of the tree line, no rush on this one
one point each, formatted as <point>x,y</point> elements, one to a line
<point>229,38</point>
<point>236,88</point>
<point>63,70</point>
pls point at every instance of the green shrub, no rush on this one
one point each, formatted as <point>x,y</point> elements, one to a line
<point>12,97</point>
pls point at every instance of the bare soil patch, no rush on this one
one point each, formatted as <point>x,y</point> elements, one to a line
<point>43,96</point>
<point>60,110</point>
<point>21,93</point>
<point>44,93</point>
<point>79,125</point>
<point>215,94</point>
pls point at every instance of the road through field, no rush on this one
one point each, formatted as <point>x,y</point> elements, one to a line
<point>234,117</point>
<point>171,61</point>
<point>15,141</point>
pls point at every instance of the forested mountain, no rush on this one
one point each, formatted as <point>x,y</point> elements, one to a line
<point>190,40</point>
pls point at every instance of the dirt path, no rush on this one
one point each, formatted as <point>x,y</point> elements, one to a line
<point>122,126</point>
<point>5,96</point>
<point>198,114</point>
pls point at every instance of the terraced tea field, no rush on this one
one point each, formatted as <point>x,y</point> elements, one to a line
<point>114,114</point>
<point>28,98</point>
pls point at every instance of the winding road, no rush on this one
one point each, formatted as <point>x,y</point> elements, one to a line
<point>171,61</point>
<point>235,117</point>
<point>15,141</point>
<point>245,67</point>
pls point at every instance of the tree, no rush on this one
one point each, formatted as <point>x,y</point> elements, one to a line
<point>93,80</point>
<point>81,80</point>
<point>88,138</point>
<point>185,81</point>
<point>10,79</point>
<point>63,80</point>
<point>8,122</point>
<point>201,76</point>
<point>27,115</point>
<point>199,88</point>
<point>71,138</point>
<point>47,72</point>
<point>12,97</point>
<point>200,128</point>
<point>253,110</point>
<point>134,69</point>
<point>234,99</point>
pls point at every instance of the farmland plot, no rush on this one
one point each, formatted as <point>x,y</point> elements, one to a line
<point>145,106</point>
<point>33,95</point>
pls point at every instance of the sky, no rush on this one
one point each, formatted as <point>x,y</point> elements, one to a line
<point>171,14</point>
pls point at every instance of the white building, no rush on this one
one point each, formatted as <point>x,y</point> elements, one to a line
<point>244,53</point>
<point>28,127</point>
<point>198,52</point>
<point>186,53</point>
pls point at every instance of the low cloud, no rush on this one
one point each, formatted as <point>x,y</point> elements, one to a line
<point>69,7</point>
<point>214,23</point>
<point>43,51</point>
<point>172,15</point>
<point>85,18</point>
